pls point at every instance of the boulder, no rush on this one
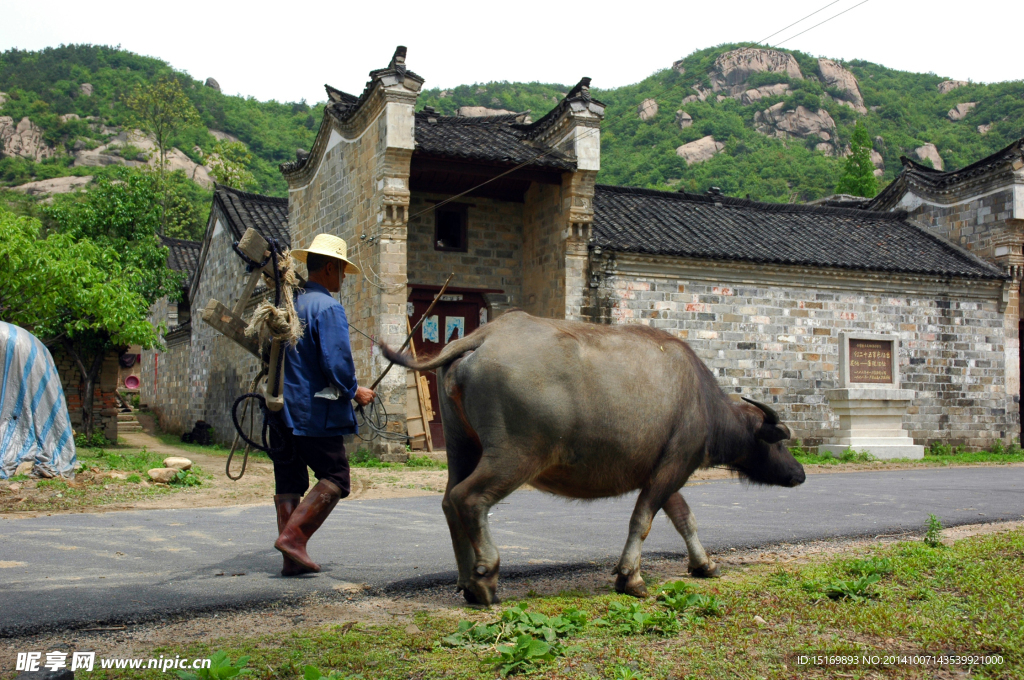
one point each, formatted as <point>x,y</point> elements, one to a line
<point>24,467</point>
<point>212,83</point>
<point>162,475</point>
<point>58,185</point>
<point>3,98</point>
<point>24,139</point>
<point>834,75</point>
<point>949,85</point>
<point>755,94</point>
<point>928,152</point>
<point>960,111</point>
<point>177,462</point>
<point>731,70</point>
<point>799,122</point>
<point>69,117</point>
<point>825,148</point>
<point>85,89</point>
<point>222,136</point>
<point>879,144</point>
<point>176,159</point>
<point>689,99</point>
<point>878,162</point>
<point>983,129</point>
<point>683,120</point>
<point>647,110</point>
<point>481,112</point>
<point>699,150</point>
<point>677,66</point>
<point>444,94</point>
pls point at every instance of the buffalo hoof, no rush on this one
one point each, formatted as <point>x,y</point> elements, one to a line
<point>631,585</point>
<point>481,597</point>
<point>709,570</point>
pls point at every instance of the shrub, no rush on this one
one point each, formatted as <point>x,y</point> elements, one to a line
<point>97,441</point>
<point>933,536</point>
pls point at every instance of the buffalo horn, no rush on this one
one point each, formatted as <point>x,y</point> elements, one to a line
<point>770,416</point>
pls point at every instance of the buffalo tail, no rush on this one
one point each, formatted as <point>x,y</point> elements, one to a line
<point>450,353</point>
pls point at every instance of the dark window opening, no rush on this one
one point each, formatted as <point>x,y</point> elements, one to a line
<point>450,228</point>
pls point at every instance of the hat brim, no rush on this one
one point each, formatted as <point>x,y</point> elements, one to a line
<point>301,253</point>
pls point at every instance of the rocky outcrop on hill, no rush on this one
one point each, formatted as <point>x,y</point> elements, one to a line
<point>732,69</point>
<point>799,122</point>
<point>756,94</point>
<point>677,66</point>
<point>647,109</point>
<point>212,83</point>
<point>683,120</point>
<point>24,139</point>
<point>222,136</point>
<point>58,185</point>
<point>878,162</point>
<point>85,89</point>
<point>949,85</point>
<point>699,150</point>
<point>960,111</point>
<point>481,112</point>
<point>701,95</point>
<point>983,129</point>
<point>834,75</point>
<point>928,152</point>
<point>112,153</point>
<point>3,98</point>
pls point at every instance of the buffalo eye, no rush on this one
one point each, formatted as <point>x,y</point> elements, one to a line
<point>772,433</point>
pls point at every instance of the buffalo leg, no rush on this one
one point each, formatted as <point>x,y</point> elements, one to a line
<point>678,511</point>
<point>471,500</point>
<point>652,498</point>
<point>460,466</point>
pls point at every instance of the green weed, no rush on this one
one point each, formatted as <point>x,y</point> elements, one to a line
<point>186,478</point>
<point>631,619</point>
<point>678,597</point>
<point>220,668</point>
<point>871,566</point>
<point>933,535</point>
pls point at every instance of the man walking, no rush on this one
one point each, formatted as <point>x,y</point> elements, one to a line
<point>319,386</point>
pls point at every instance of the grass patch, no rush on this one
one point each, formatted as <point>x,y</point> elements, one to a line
<point>934,456</point>
<point>905,597</point>
<point>362,458</point>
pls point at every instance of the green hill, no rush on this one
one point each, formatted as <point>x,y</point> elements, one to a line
<point>902,112</point>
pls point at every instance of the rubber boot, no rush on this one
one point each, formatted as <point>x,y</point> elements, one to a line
<point>305,520</point>
<point>286,504</point>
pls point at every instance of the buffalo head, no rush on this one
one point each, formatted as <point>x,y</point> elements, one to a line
<point>766,459</point>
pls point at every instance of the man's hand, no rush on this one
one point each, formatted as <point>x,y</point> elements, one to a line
<point>364,395</point>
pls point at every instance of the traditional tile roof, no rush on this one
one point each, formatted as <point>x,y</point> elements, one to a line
<point>265,214</point>
<point>720,228</point>
<point>182,256</point>
<point>492,139</point>
<point>931,181</point>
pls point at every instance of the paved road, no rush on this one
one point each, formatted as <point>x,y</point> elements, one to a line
<point>134,565</point>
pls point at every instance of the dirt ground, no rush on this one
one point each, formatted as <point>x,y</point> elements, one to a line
<point>353,603</point>
<point>257,485</point>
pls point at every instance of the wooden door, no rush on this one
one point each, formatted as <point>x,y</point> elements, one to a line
<point>454,316</point>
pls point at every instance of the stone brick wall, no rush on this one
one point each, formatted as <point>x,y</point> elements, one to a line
<point>772,333</point>
<point>165,382</point>
<point>544,252</point>
<point>494,257</point>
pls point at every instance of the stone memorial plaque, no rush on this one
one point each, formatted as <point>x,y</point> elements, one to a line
<point>870,361</point>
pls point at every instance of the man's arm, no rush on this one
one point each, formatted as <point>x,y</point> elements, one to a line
<point>335,350</point>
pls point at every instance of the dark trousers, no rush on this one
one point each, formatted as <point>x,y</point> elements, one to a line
<point>324,455</point>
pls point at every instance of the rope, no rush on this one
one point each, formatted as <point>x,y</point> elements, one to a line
<point>269,422</point>
<point>278,321</point>
<point>252,421</point>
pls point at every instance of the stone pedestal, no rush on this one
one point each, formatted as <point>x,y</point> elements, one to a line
<point>871,419</point>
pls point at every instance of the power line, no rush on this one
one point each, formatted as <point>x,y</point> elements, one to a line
<point>797,22</point>
<point>819,24</point>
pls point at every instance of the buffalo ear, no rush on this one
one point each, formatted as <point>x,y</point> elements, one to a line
<point>772,433</point>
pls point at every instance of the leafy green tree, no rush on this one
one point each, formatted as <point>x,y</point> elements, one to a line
<point>229,165</point>
<point>162,109</point>
<point>71,290</point>
<point>858,178</point>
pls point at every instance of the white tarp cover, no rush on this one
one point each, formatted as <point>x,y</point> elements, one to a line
<point>34,421</point>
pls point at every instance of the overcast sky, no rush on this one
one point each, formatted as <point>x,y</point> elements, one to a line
<point>288,50</point>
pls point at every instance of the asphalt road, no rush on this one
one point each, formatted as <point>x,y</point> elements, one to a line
<point>86,569</point>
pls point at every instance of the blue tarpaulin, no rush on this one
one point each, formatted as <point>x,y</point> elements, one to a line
<point>34,421</point>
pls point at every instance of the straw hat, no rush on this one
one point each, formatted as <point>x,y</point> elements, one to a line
<point>331,246</point>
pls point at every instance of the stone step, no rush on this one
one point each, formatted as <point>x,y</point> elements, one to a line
<point>127,418</point>
<point>123,428</point>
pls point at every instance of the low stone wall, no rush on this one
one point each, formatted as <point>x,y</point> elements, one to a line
<point>164,382</point>
<point>104,399</point>
<point>772,333</point>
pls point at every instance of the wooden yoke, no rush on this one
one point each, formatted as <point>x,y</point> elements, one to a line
<point>229,322</point>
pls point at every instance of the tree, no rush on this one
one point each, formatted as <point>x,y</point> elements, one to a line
<point>858,178</point>
<point>229,165</point>
<point>73,291</point>
<point>161,108</point>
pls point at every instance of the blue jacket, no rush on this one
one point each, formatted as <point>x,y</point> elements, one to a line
<point>323,357</point>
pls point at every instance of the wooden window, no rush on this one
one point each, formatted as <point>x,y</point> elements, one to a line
<point>451,228</point>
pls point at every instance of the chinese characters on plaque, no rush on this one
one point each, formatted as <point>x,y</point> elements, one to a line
<point>870,361</point>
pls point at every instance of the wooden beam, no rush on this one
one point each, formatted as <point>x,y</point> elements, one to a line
<point>231,326</point>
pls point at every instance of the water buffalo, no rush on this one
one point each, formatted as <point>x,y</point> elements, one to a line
<point>587,411</point>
